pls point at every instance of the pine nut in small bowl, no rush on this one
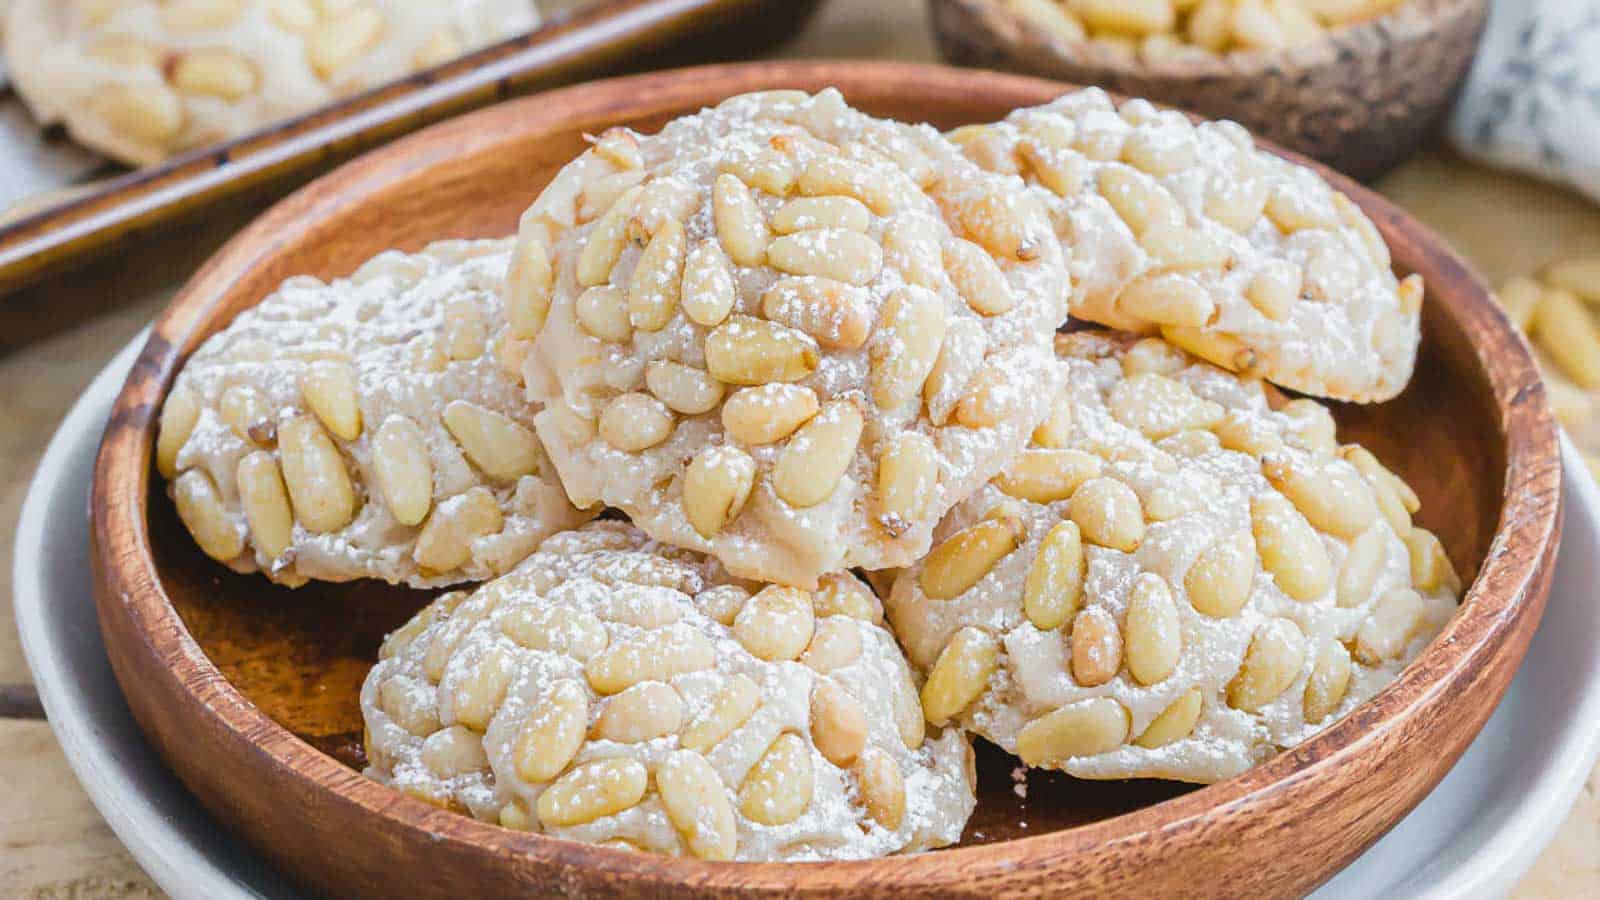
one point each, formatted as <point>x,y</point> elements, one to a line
<point>253,692</point>
<point>1356,84</point>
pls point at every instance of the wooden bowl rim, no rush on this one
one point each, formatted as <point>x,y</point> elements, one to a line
<point>1492,609</point>
<point>1412,17</point>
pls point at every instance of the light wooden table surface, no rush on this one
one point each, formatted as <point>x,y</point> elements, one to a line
<point>54,338</point>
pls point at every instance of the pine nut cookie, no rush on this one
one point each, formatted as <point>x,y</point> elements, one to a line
<point>141,80</point>
<point>759,337</point>
<point>369,427</point>
<point>1174,581</point>
<point>1247,260</point>
<point>617,691</point>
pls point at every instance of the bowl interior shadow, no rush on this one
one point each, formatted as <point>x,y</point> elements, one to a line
<point>300,655</point>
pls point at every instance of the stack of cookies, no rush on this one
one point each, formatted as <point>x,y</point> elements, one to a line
<point>860,501</point>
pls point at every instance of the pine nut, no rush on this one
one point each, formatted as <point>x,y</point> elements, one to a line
<point>1248,433</point>
<point>1152,636</point>
<point>1385,634</point>
<point>1274,290</point>
<point>517,817</point>
<point>816,458</point>
<point>330,390</point>
<point>200,507</point>
<point>1332,498</point>
<point>1139,201</point>
<point>883,789</point>
<point>843,594</point>
<point>812,213</point>
<point>199,15</point>
<point>445,542</point>
<point>977,278</point>
<point>1126,16</point>
<point>1061,171</point>
<point>441,47</point>
<point>746,350</point>
<point>466,333</point>
<point>731,708</point>
<point>1312,426</point>
<point>1220,581</point>
<point>953,567</point>
<point>1108,513</point>
<point>965,346</point>
<point>150,114</point>
<point>662,655</point>
<point>835,644</point>
<point>738,221</point>
<point>1223,350</point>
<point>911,329</point>
<point>1054,586</point>
<point>340,41</point>
<point>767,170</point>
<point>1328,682</point>
<point>834,313</point>
<point>1096,647</point>
<point>697,803</point>
<point>412,709</point>
<point>319,487</point>
<point>645,711</point>
<point>603,312</point>
<point>1376,472</point>
<point>715,488</point>
<point>838,726</point>
<point>266,504</point>
<point>992,397</point>
<point>998,221</point>
<point>530,280</point>
<point>912,246</point>
<point>833,253</point>
<point>1430,565</point>
<point>1175,723</point>
<point>1155,153</point>
<point>776,624</point>
<point>1179,248</point>
<point>592,790</point>
<point>778,790</point>
<point>708,290</point>
<point>769,413</point>
<point>1157,406</point>
<point>214,73</point>
<point>454,752</point>
<point>1290,551</point>
<point>1082,729</point>
<point>635,422</point>
<point>1056,430</point>
<point>620,147</point>
<point>569,631</point>
<point>474,694</point>
<point>908,476</point>
<point>1362,564</point>
<point>603,246</point>
<point>403,470</point>
<point>178,417</point>
<point>826,176</point>
<point>501,447</point>
<point>684,389</point>
<point>1168,299</point>
<point>909,721</point>
<point>1271,664</point>
<point>960,675</point>
<point>653,291</point>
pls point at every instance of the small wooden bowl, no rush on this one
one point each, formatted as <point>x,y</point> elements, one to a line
<point>1361,101</point>
<point>249,691</point>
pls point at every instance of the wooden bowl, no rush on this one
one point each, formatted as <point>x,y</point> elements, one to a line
<point>249,691</point>
<point>1360,101</point>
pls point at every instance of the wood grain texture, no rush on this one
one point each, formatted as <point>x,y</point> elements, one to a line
<point>1360,101</point>
<point>239,694</point>
<point>605,36</point>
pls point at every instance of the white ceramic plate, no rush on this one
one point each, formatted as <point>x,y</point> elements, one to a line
<point>1473,837</point>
